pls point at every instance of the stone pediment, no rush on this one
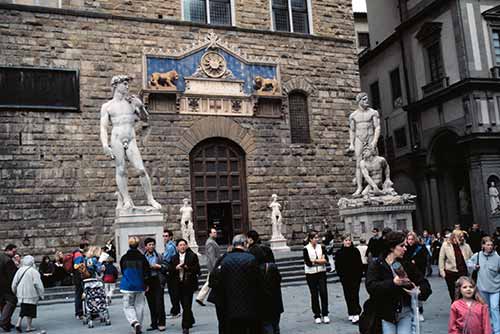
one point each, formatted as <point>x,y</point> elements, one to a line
<point>211,77</point>
<point>492,14</point>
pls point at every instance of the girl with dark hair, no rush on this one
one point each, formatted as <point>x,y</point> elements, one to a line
<point>315,261</point>
<point>468,313</point>
<point>349,267</point>
<point>185,267</point>
<point>389,283</point>
<point>46,270</point>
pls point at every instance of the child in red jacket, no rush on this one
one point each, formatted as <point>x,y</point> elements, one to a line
<point>469,314</point>
<point>109,279</point>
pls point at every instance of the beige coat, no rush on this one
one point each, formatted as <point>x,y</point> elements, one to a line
<point>447,257</point>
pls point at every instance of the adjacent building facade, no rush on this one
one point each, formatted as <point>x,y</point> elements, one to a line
<point>433,72</point>
<point>258,101</point>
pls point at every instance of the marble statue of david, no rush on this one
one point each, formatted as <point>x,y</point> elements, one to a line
<point>122,111</point>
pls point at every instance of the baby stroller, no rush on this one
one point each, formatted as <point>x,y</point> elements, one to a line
<point>94,302</point>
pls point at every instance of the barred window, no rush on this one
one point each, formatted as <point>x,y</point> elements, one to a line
<point>208,11</point>
<point>299,118</point>
<point>435,61</point>
<point>496,45</point>
<point>299,19</point>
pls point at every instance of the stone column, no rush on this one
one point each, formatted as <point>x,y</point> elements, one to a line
<point>435,203</point>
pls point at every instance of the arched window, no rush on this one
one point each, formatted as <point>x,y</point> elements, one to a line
<point>299,118</point>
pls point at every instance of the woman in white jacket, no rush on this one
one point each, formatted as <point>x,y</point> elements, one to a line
<point>28,287</point>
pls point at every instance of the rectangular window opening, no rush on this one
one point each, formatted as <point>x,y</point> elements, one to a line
<point>291,16</point>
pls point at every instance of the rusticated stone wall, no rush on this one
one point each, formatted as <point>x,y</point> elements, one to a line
<point>55,183</point>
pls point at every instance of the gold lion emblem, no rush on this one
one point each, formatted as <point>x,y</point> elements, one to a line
<point>165,80</point>
<point>266,85</point>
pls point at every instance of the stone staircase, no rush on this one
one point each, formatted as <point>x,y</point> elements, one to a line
<point>291,266</point>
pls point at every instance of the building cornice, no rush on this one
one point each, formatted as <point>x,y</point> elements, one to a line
<point>400,29</point>
<point>108,16</point>
<point>455,90</point>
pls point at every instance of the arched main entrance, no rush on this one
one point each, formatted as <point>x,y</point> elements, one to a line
<point>218,189</point>
<point>450,188</point>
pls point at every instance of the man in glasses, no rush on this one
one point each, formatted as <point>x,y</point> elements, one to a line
<point>173,289</point>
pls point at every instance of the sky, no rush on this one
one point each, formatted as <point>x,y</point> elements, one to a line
<point>359,6</point>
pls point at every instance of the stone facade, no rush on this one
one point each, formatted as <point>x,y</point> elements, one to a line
<point>57,185</point>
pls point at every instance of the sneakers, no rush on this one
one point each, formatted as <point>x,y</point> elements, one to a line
<point>173,316</point>
<point>317,321</point>
<point>355,319</point>
<point>326,320</point>
<point>137,328</point>
<point>350,317</point>
<point>421,317</point>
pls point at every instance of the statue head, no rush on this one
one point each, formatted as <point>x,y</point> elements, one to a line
<point>185,201</point>
<point>492,183</point>
<point>368,152</point>
<point>274,197</point>
<point>120,83</point>
<point>362,100</point>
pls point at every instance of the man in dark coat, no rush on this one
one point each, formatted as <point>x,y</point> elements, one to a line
<point>475,238</point>
<point>240,284</point>
<point>272,300</point>
<point>257,249</point>
<point>375,245</point>
<point>8,299</point>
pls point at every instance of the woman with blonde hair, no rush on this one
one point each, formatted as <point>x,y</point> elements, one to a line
<point>452,259</point>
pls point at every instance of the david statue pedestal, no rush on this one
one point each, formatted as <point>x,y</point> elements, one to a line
<point>122,112</point>
<point>375,203</point>
<point>278,241</point>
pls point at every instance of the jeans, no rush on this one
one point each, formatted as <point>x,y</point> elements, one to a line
<point>156,302</point>
<point>109,288</point>
<point>186,294</point>
<point>173,292</point>
<point>133,306</point>
<point>492,299</point>
<point>403,326</point>
<point>351,295</point>
<point>78,298</point>
<point>317,287</point>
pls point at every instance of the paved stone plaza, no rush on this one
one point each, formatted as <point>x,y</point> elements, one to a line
<point>58,319</point>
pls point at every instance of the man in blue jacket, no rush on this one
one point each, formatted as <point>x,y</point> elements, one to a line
<point>135,268</point>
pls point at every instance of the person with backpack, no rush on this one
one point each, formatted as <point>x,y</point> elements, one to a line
<point>28,287</point>
<point>78,266</point>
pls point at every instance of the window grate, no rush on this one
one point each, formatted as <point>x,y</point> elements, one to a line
<point>195,11</point>
<point>375,95</point>
<point>496,45</point>
<point>281,16</point>
<point>299,118</point>
<point>220,12</point>
<point>299,16</point>
<point>435,62</point>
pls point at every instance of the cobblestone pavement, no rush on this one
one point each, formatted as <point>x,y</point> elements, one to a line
<point>296,319</point>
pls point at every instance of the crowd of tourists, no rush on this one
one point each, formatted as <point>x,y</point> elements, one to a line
<point>244,281</point>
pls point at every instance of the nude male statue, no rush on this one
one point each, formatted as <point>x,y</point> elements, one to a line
<point>276,218</point>
<point>376,173</point>
<point>187,227</point>
<point>364,129</point>
<point>123,111</point>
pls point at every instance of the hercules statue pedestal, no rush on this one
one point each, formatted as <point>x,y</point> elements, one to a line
<point>375,203</point>
<point>123,111</point>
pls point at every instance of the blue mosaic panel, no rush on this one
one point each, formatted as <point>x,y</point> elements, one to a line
<point>187,66</point>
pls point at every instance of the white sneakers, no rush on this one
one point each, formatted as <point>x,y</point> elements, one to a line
<point>318,321</point>
<point>355,319</point>
<point>350,317</point>
<point>421,317</point>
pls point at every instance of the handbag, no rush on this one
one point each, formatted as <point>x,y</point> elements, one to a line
<point>475,272</point>
<point>425,290</point>
<point>369,323</point>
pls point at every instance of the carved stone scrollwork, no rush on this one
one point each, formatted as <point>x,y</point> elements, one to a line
<point>194,104</point>
<point>236,105</point>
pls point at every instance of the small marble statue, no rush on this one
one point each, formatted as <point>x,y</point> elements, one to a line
<point>123,111</point>
<point>364,130</point>
<point>376,173</point>
<point>276,218</point>
<point>494,201</point>
<point>187,228</point>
